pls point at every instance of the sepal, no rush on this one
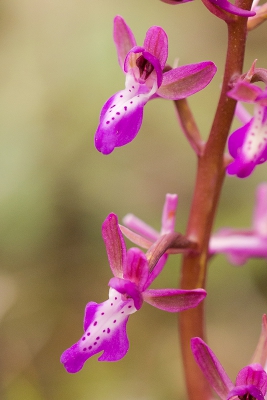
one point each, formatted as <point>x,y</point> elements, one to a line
<point>174,300</point>
<point>186,80</point>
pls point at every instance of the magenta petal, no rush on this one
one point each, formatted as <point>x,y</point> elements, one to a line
<point>156,64</point>
<point>123,38</point>
<point>156,43</point>
<point>136,269</point>
<point>128,65</point>
<point>73,359</point>
<point>184,81</point>
<point>245,392</point>
<point>252,374</point>
<point>244,91</point>
<point>236,139</point>
<point>227,6</point>
<point>122,130</point>
<point>106,332</point>
<point>262,98</point>
<point>119,133</point>
<point>129,289</point>
<point>175,2</point>
<point>240,168</point>
<point>116,350</point>
<point>211,367</point>
<point>115,245</point>
<point>174,300</point>
<point>89,314</point>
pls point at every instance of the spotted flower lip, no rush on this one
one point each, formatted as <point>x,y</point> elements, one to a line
<point>241,244</point>
<point>105,323</point>
<point>248,144</point>
<point>143,66</point>
<point>251,381</point>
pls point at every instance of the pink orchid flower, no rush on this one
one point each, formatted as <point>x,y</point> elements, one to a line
<point>223,4</point>
<point>260,15</point>
<point>251,381</point>
<point>121,116</point>
<point>241,244</point>
<point>105,323</point>
<point>231,8</point>
<point>248,144</point>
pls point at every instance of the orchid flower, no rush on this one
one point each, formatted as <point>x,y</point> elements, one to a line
<point>175,2</point>
<point>231,8</point>
<point>223,4</point>
<point>105,323</point>
<point>144,235</point>
<point>260,17</point>
<point>251,381</point>
<point>121,116</point>
<point>248,144</point>
<point>240,245</point>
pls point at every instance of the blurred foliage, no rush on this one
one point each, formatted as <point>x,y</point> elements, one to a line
<point>58,67</point>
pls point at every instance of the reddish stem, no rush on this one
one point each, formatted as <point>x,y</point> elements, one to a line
<point>210,175</point>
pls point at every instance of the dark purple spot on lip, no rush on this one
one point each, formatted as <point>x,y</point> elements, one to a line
<point>115,298</point>
<point>121,95</point>
<point>88,334</point>
<point>112,118</point>
<point>89,347</point>
<point>98,337</point>
<point>132,87</point>
<point>95,323</point>
<point>102,313</point>
<point>125,108</point>
<point>129,90</point>
<point>83,338</point>
<point>108,330</point>
<point>111,304</point>
<point>131,102</point>
<point>104,330</point>
<point>107,122</point>
<point>122,312</point>
<point>129,306</point>
<point>114,321</point>
<point>118,113</point>
<point>95,343</point>
<point>113,106</point>
<point>84,349</point>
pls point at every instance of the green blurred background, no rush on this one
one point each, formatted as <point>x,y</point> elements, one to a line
<point>58,66</point>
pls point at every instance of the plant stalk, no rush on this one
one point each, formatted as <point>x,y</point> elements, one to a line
<point>209,180</point>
